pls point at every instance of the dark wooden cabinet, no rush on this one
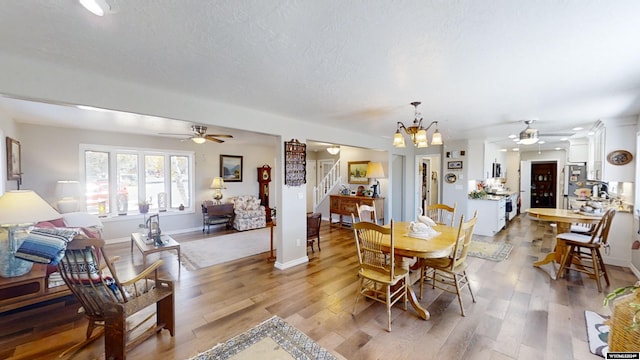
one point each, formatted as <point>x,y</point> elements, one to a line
<point>543,185</point>
<point>346,205</point>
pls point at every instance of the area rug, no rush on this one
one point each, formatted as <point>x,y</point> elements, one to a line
<point>489,250</point>
<point>201,253</point>
<point>597,333</point>
<point>273,339</point>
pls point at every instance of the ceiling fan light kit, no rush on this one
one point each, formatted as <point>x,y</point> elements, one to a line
<point>416,132</point>
<point>528,136</point>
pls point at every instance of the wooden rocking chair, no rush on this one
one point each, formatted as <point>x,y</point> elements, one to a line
<point>108,303</point>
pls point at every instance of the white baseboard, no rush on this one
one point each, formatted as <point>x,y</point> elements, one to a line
<point>290,264</point>
<point>170,232</point>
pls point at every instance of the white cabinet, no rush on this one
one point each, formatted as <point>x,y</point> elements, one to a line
<point>491,216</point>
<point>596,154</point>
<point>579,150</point>
<point>514,206</point>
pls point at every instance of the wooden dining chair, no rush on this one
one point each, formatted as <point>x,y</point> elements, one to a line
<point>115,306</point>
<point>449,273</point>
<point>313,229</point>
<point>380,279</point>
<point>583,250</point>
<point>367,213</point>
<point>442,213</point>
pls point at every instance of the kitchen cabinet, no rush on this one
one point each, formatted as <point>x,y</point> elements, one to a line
<point>596,153</point>
<point>491,215</point>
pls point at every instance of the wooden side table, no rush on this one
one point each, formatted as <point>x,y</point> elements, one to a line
<point>217,214</point>
<point>28,289</point>
<point>149,248</point>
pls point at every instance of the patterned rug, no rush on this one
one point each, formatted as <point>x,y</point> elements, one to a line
<point>273,339</point>
<point>597,333</point>
<point>489,250</point>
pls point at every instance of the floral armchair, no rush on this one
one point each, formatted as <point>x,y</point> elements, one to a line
<point>249,214</point>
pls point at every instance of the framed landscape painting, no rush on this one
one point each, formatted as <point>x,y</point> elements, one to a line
<point>358,172</point>
<point>231,168</point>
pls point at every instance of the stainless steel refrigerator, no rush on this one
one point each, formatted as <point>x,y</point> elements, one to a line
<point>575,177</point>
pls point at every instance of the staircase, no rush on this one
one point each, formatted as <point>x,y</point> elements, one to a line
<point>326,185</point>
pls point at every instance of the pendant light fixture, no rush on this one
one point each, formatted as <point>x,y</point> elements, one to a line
<point>333,149</point>
<point>416,132</point>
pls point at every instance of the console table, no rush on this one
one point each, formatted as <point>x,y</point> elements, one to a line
<point>346,205</point>
<point>28,289</point>
<point>217,215</point>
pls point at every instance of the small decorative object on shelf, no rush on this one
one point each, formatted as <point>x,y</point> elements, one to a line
<point>295,162</point>
<point>143,207</point>
<point>123,202</point>
<point>162,201</point>
<point>153,224</point>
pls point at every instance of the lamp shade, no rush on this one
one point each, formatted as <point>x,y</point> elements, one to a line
<point>217,183</point>
<point>67,188</point>
<point>24,207</point>
<point>374,170</point>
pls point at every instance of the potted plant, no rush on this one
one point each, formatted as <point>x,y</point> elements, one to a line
<point>624,333</point>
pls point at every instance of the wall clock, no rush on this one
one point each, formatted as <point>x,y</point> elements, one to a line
<point>619,157</point>
<point>450,178</point>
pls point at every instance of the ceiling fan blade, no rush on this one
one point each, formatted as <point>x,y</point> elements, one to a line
<point>175,134</point>
<point>220,135</point>
<point>556,134</point>
<point>211,138</point>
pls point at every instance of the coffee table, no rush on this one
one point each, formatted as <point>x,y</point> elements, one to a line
<point>147,247</point>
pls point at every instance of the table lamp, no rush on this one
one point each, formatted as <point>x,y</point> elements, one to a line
<point>19,209</point>
<point>374,170</point>
<point>217,184</point>
<point>67,190</point>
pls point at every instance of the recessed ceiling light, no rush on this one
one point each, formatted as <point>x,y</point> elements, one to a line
<point>541,142</point>
<point>516,149</point>
<point>577,128</point>
<point>564,139</point>
<point>513,136</point>
<point>558,148</point>
<point>590,133</point>
<point>503,150</point>
<point>97,7</point>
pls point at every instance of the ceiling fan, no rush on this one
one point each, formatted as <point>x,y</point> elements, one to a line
<point>530,135</point>
<point>199,135</point>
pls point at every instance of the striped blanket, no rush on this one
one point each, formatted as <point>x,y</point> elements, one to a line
<point>46,245</point>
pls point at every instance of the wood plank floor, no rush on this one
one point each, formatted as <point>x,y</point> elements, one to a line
<point>520,313</point>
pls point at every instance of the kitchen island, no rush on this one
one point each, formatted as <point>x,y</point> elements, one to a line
<point>492,211</point>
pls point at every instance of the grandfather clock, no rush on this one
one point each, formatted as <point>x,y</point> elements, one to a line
<point>264,178</point>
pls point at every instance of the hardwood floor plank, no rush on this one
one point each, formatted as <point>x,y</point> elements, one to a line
<point>520,313</point>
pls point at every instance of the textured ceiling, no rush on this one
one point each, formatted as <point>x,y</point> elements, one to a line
<point>478,67</point>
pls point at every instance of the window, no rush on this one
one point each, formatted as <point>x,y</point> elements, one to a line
<point>133,176</point>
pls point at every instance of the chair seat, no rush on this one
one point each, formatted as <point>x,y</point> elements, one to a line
<point>380,277</point>
<point>581,239</point>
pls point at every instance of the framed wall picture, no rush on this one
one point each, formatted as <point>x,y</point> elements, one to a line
<point>14,171</point>
<point>454,165</point>
<point>231,168</point>
<point>358,172</point>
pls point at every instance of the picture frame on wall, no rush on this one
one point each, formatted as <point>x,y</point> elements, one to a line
<point>231,168</point>
<point>454,165</point>
<point>14,170</point>
<point>357,171</point>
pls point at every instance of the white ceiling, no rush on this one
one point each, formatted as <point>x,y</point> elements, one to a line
<point>479,67</point>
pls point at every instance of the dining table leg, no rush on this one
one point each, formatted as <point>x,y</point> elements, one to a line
<point>411,295</point>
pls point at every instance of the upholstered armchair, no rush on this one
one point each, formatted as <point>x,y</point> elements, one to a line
<point>249,214</point>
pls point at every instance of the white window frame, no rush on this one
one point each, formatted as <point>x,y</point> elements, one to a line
<point>141,152</point>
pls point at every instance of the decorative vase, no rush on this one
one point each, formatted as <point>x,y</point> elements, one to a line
<point>123,204</point>
<point>143,208</point>
<point>162,201</point>
<point>10,266</point>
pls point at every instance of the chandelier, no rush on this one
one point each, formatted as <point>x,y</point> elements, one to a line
<point>416,132</point>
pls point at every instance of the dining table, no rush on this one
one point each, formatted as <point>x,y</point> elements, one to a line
<point>408,248</point>
<point>563,218</point>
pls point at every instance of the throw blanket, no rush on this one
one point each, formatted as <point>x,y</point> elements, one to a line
<point>46,245</point>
